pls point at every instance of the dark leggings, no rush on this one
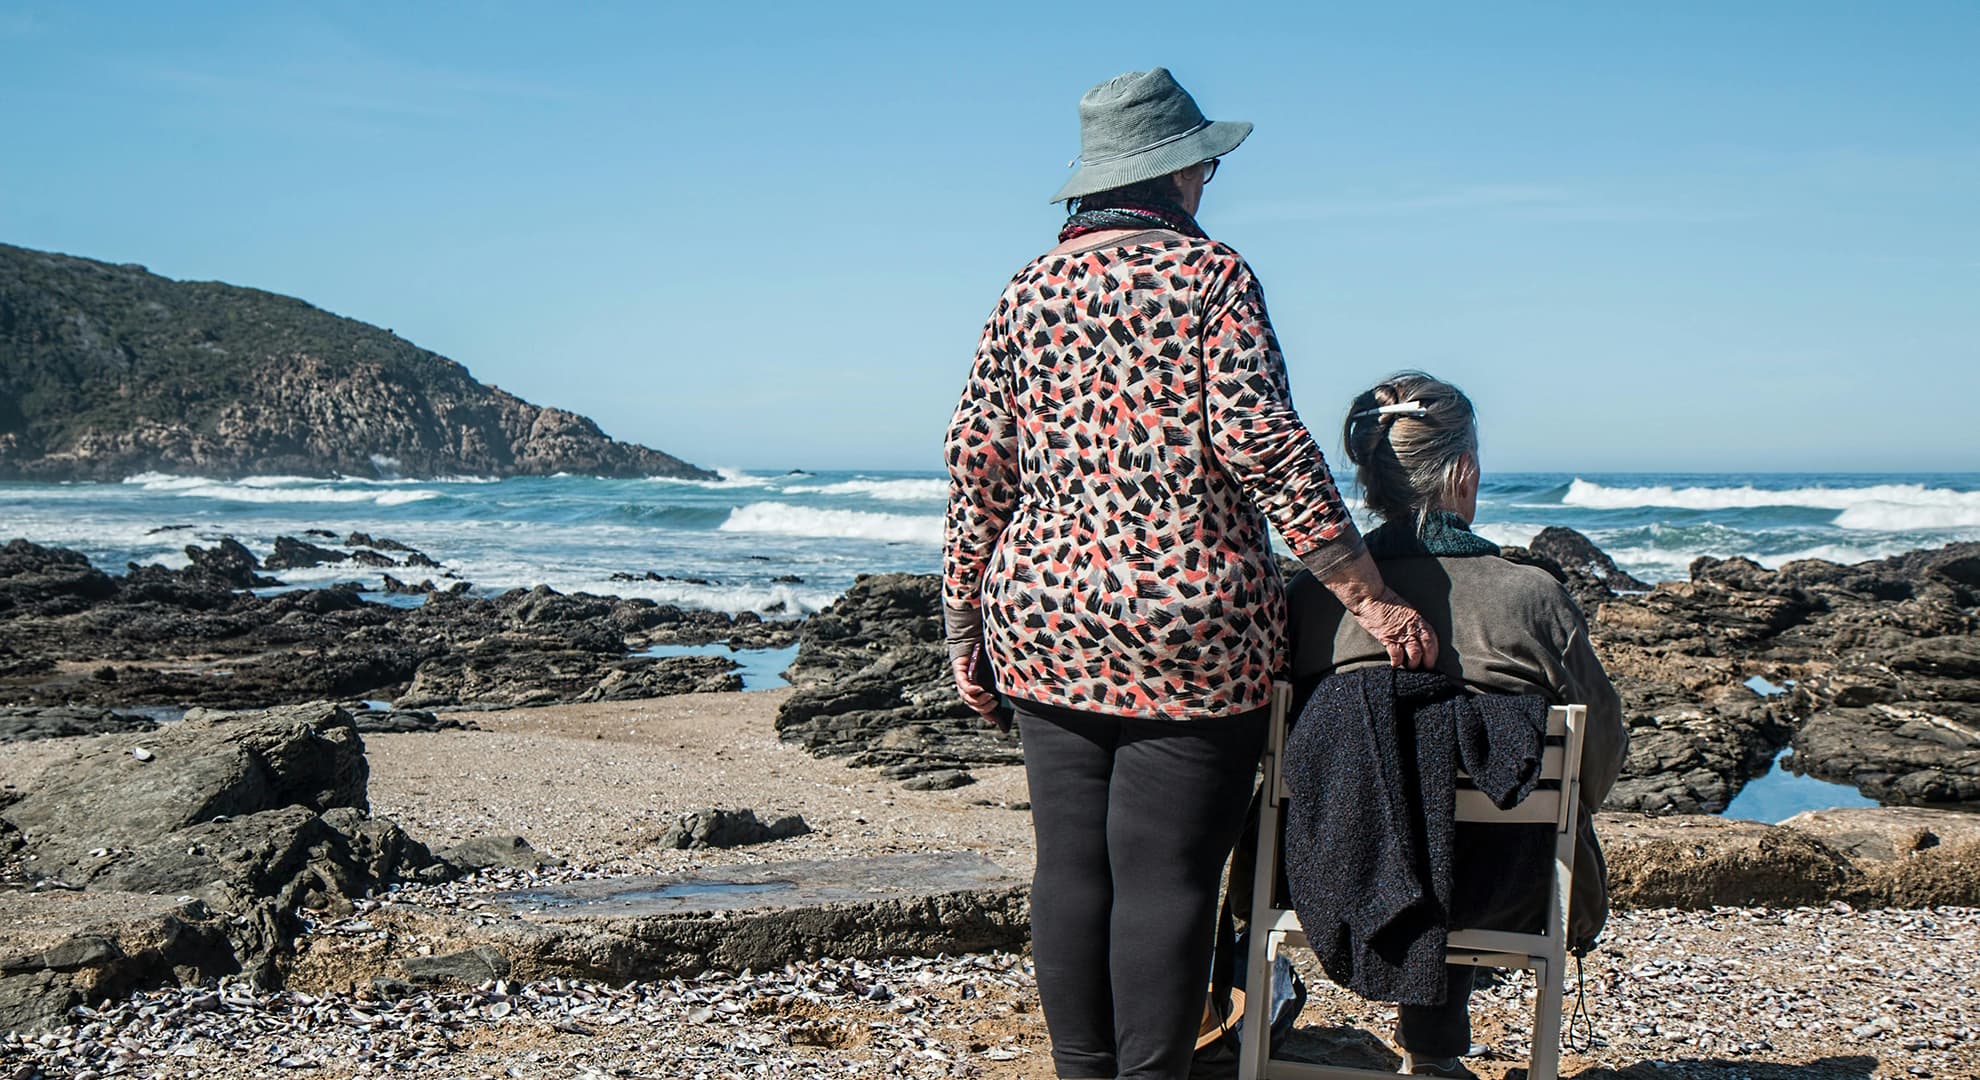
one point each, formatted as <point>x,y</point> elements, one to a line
<point>1440,1031</point>
<point>1134,819</point>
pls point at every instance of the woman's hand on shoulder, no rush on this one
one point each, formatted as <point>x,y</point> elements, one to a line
<point>1401,629</point>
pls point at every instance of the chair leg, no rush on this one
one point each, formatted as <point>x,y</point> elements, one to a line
<point>1547,1022</point>
<point>1255,1050</point>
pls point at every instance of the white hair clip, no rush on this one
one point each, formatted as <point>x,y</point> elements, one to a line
<point>1413,409</point>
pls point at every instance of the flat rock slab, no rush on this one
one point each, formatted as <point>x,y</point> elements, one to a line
<point>63,949</point>
<point>765,887</point>
<point>1903,857</point>
<point>654,927</point>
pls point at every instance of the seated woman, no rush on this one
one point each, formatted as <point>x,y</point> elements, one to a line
<point>1502,628</point>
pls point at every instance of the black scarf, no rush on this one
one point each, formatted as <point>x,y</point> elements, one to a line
<point>1138,216</point>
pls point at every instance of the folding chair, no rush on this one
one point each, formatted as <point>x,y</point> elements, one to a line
<point>1274,926</point>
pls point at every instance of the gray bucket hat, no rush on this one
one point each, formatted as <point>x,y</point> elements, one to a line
<point>1141,125</point>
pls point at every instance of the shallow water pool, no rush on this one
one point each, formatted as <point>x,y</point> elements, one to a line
<point>761,669</point>
<point>1781,794</point>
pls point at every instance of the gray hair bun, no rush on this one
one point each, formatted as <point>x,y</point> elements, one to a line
<point>1407,437</point>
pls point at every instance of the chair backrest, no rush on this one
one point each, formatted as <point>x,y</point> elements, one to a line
<point>1557,803</point>
<point>1560,770</point>
<point>1560,775</point>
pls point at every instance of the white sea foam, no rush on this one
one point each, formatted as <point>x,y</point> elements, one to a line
<point>151,481</point>
<point>1889,507</point>
<point>904,490</point>
<point>782,519</point>
<point>1508,533</point>
<point>253,494</point>
<point>727,478</point>
<point>1838,553</point>
<point>1893,517</point>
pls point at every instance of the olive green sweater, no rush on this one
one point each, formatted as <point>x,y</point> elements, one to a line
<point>1501,628</point>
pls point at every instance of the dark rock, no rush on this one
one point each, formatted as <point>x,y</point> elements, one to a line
<point>395,587</point>
<point>716,828</point>
<point>293,554</point>
<point>358,539</point>
<point>469,967</point>
<point>367,557</point>
<point>229,563</point>
<point>193,637</point>
<point>649,677</point>
<point>1880,659</point>
<point>483,852</point>
<point>256,815</point>
<point>881,613</point>
<point>22,724</point>
<point>101,798</point>
<point>873,685</point>
<point>1578,556</point>
<point>62,950</point>
<point>406,721</point>
<point>36,579</point>
<point>1914,753</point>
<point>939,780</point>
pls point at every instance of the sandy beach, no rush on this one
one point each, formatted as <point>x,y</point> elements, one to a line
<point>1797,994</point>
<point>595,784</point>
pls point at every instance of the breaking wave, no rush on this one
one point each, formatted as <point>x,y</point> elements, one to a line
<point>1881,507</point>
<point>909,490</point>
<point>781,519</point>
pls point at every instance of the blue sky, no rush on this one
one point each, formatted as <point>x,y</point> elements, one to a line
<point>1673,236</point>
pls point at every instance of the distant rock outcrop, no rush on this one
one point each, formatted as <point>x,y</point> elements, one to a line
<point>107,371</point>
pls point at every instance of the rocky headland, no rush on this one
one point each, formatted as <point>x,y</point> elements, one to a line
<point>108,370</point>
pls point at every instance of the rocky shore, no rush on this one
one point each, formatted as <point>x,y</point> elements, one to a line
<point>644,872</point>
<point>1870,673</point>
<point>442,972</point>
<point>73,638</point>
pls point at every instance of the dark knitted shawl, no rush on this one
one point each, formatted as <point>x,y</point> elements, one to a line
<point>1371,766</point>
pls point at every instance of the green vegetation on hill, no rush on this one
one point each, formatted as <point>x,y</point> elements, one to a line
<point>109,370</point>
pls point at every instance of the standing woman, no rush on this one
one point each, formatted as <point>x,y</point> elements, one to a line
<point>1125,433</point>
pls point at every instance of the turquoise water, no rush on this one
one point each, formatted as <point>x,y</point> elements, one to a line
<point>739,541</point>
<point>759,669</point>
<point>1781,794</point>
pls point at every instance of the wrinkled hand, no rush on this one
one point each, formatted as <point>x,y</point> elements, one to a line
<point>974,696</point>
<point>1401,630</point>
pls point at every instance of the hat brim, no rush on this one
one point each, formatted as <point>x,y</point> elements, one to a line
<point>1219,138</point>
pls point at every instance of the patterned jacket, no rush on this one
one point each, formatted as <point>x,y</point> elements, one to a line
<point>1126,418</point>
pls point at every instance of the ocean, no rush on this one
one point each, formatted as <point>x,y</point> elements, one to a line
<point>789,543</point>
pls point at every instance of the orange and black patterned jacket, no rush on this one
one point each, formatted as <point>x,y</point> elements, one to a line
<point>1125,422</point>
